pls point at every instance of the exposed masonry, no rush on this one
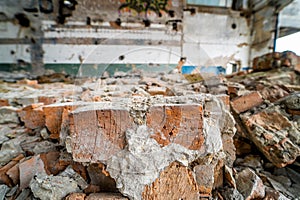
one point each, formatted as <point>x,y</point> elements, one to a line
<point>145,135</point>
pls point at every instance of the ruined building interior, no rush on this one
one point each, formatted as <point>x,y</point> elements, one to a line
<point>149,99</point>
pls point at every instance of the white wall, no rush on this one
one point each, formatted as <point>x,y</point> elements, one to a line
<point>209,39</point>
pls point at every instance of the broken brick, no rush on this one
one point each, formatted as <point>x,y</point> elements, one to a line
<point>246,102</point>
<point>97,134</point>
<point>268,130</point>
<point>105,196</point>
<point>46,100</point>
<point>250,185</point>
<point>76,196</point>
<point>29,168</point>
<point>175,182</point>
<point>4,178</point>
<point>51,162</point>
<point>33,116</point>
<point>177,123</point>
<point>4,102</point>
<point>209,176</point>
<point>273,93</point>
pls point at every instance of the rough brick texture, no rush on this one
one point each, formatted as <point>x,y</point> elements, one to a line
<point>269,130</point>
<point>56,116</point>
<point>180,124</point>
<point>246,102</point>
<point>98,134</point>
<point>175,182</point>
<point>33,116</point>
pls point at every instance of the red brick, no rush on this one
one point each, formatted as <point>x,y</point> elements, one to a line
<point>105,196</point>
<point>4,102</point>
<point>46,100</point>
<point>28,169</point>
<point>97,134</point>
<point>177,123</point>
<point>51,162</point>
<point>76,196</point>
<point>175,182</point>
<point>33,116</point>
<point>4,177</point>
<point>57,118</point>
<point>246,102</point>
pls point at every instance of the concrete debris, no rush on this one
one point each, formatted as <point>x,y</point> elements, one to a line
<point>3,190</point>
<point>250,185</point>
<point>8,114</point>
<point>52,187</point>
<point>153,136</point>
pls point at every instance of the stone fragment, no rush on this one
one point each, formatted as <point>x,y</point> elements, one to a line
<point>252,161</point>
<point>293,102</point>
<point>175,182</point>
<point>246,102</point>
<point>206,176</point>
<point>250,185</point>
<point>8,114</point>
<point>9,150</point>
<point>69,172</point>
<point>269,130</point>
<point>29,168</point>
<point>52,187</point>
<point>101,136</point>
<point>33,116</point>
<point>180,124</point>
<point>100,177</point>
<point>105,196</point>
<point>25,194</point>
<point>3,190</point>
<point>229,177</point>
<point>293,175</point>
<point>273,194</point>
<point>12,192</point>
<point>231,193</point>
<point>76,196</point>
<point>4,131</point>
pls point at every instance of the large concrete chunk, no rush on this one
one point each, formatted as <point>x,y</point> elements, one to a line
<point>180,124</point>
<point>270,132</point>
<point>97,134</point>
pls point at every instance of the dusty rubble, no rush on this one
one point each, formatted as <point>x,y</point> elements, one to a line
<point>153,136</point>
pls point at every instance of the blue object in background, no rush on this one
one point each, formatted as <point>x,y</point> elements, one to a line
<point>186,69</point>
<point>216,70</point>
